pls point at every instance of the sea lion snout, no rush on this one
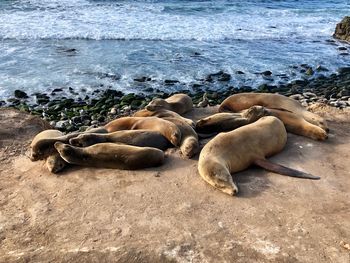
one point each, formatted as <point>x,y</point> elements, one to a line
<point>34,156</point>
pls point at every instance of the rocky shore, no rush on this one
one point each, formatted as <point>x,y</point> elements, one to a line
<point>68,114</point>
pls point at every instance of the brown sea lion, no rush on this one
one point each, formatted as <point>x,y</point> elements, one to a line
<point>168,129</point>
<point>141,138</point>
<point>298,125</point>
<point>235,151</point>
<point>239,102</point>
<point>161,114</point>
<point>42,144</point>
<point>111,155</point>
<point>180,103</point>
<point>228,121</point>
<point>189,145</point>
<point>55,163</point>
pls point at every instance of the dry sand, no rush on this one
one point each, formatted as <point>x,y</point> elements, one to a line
<point>169,214</point>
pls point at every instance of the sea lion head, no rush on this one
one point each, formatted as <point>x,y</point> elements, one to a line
<point>42,144</point>
<point>157,104</point>
<point>55,163</point>
<point>41,149</point>
<point>217,175</point>
<point>68,153</point>
<point>84,140</point>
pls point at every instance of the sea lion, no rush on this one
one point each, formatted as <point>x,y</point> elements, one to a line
<point>189,145</point>
<point>168,129</point>
<point>111,155</point>
<point>55,163</point>
<point>161,114</point>
<point>180,103</point>
<point>235,151</point>
<point>298,125</point>
<point>228,121</point>
<point>141,138</point>
<point>238,102</point>
<point>42,145</point>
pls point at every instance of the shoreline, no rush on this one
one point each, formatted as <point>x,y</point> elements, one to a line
<point>69,114</point>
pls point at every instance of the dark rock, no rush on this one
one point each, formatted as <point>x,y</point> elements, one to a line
<point>102,75</point>
<point>305,66</point>
<point>344,70</point>
<point>170,81</point>
<point>42,99</point>
<point>344,54</point>
<point>148,89</point>
<point>224,77</point>
<point>342,29</point>
<point>266,73</point>
<point>321,68</point>
<point>238,72</point>
<point>20,94</point>
<point>143,79</point>
<point>57,90</point>
<point>342,48</point>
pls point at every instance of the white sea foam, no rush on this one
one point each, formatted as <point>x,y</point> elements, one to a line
<point>162,38</point>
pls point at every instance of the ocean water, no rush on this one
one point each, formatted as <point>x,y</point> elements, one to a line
<point>90,44</point>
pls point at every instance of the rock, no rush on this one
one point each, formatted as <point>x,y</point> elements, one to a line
<point>309,95</point>
<point>20,94</point>
<point>342,48</point>
<point>266,73</point>
<point>238,72</point>
<point>296,97</point>
<point>53,123</point>
<point>342,29</point>
<point>343,93</point>
<point>344,54</point>
<point>142,79</point>
<point>57,90</point>
<point>344,70</point>
<point>61,124</point>
<point>224,77</point>
<point>170,81</point>
<point>113,111</point>
<point>94,122</point>
<point>321,68</point>
<point>309,72</point>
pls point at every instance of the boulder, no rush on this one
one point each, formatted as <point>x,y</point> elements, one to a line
<point>342,30</point>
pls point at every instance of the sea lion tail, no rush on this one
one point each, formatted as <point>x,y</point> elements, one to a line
<point>280,169</point>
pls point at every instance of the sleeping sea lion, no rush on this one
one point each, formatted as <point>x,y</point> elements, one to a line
<point>180,103</point>
<point>161,114</point>
<point>238,102</point>
<point>168,129</point>
<point>141,138</point>
<point>228,121</point>
<point>235,151</point>
<point>298,125</point>
<point>111,155</point>
<point>42,145</point>
<point>55,163</point>
<point>189,145</point>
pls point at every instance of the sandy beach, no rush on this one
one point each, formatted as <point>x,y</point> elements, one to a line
<point>169,214</point>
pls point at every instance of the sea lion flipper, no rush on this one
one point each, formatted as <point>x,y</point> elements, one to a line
<point>280,169</point>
